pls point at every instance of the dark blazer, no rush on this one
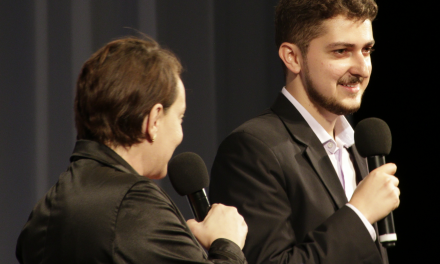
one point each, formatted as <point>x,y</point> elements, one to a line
<point>102,211</point>
<point>274,169</point>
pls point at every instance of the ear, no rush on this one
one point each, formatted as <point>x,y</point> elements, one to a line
<point>152,122</point>
<point>291,55</point>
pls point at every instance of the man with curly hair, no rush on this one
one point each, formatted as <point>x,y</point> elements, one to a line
<point>293,172</point>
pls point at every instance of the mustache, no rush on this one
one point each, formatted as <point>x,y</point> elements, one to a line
<point>351,79</point>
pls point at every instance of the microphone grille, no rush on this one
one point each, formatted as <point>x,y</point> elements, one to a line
<point>188,173</point>
<point>372,137</point>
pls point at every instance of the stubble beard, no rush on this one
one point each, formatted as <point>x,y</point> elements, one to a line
<point>331,104</point>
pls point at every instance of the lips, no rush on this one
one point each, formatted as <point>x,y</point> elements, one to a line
<point>350,85</point>
<point>351,88</point>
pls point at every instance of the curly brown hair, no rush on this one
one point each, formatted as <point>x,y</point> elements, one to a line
<point>118,86</point>
<point>300,21</point>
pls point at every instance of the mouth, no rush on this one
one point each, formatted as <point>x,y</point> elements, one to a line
<point>351,84</point>
<point>351,87</point>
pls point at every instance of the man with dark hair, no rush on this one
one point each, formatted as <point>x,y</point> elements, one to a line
<point>119,85</point>
<point>293,172</point>
<point>105,208</point>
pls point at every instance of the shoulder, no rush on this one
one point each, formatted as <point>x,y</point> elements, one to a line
<point>261,124</point>
<point>264,132</point>
<point>267,128</point>
<point>121,192</point>
<point>98,182</point>
<point>147,194</point>
<point>82,208</point>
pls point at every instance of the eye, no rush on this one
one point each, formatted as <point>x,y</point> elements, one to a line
<point>340,51</point>
<point>368,50</point>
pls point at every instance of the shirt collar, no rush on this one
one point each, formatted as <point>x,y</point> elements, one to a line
<point>344,133</point>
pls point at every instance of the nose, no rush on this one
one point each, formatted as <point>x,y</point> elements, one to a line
<point>361,65</point>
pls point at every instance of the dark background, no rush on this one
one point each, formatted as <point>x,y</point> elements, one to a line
<point>232,73</point>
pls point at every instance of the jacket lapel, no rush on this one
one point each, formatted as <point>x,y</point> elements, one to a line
<point>359,163</point>
<point>314,151</point>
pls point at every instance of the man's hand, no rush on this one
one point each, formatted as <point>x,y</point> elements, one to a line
<point>221,222</point>
<point>377,195</point>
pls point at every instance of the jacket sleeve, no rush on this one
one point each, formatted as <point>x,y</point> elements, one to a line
<point>150,229</point>
<point>248,174</point>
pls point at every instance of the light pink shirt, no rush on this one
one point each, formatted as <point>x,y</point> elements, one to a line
<point>337,151</point>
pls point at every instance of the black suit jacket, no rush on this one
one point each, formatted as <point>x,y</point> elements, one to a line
<point>102,211</point>
<point>275,170</point>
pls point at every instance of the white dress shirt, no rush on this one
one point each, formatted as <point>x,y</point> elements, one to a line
<point>337,151</point>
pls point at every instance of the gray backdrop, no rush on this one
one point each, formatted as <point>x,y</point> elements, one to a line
<point>232,73</point>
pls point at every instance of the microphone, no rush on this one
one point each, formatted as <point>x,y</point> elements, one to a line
<point>373,141</point>
<point>189,176</point>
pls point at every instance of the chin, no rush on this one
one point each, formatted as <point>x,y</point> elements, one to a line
<point>162,175</point>
<point>350,106</point>
<point>157,176</point>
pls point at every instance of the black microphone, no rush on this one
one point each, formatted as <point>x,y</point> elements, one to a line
<point>189,176</point>
<point>373,141</point>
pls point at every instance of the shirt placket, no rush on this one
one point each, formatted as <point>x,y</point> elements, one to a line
<point>337,154</point>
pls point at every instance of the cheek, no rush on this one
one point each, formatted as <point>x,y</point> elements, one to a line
<point>369,65</point>
<point>179,134</point>
<point>336,71</point>
<point>326,72</point>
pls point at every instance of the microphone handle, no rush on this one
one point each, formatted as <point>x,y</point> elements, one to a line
<point>199,204</point>
<point>387,233</point>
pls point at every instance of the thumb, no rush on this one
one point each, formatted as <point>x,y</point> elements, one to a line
<point>193,225</point>
<point>389,168</point>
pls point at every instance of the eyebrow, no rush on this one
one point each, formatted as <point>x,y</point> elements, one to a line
<point>346,44</point>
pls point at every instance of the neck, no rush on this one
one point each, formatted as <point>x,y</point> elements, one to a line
<point>325,118</point>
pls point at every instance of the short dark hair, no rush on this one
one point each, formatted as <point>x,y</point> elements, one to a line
<point>118,86</point>
<point>300,21</point>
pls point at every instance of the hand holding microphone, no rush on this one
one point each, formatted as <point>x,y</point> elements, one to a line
<point>189,176</point>
<point>377,195</point>
<point>221,222</point>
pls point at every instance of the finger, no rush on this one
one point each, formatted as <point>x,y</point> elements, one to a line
<point>389,168</point>
<point>193,226</point>
<point>397,205</point>
<point>394,180</point>
<point>214,207</point>
<point>191,223</point>
<point>244,225</point>
<point>232,209</point>
<point>397,191</point>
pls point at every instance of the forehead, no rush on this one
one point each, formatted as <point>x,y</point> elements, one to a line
<point>344,30</point>
<point>180,91</point>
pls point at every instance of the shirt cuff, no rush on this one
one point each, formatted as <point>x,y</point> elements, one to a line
<point>367,224</point>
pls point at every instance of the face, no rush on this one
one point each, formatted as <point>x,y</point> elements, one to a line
<point>337,68</point>
<point>170,133</point>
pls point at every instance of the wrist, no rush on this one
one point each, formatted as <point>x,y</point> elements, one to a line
<point>362,211</point>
